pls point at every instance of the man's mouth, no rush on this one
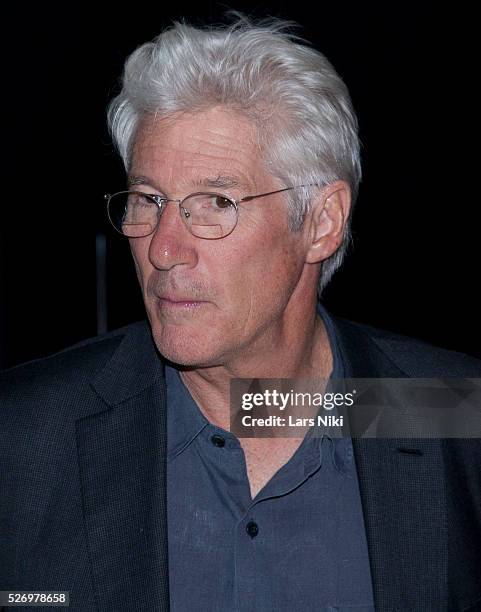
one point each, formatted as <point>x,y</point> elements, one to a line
<point>178,302</point>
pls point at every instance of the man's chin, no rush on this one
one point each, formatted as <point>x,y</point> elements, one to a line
<point>182,347</point>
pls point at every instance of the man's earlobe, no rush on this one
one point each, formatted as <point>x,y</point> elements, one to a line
<point>328,221</point>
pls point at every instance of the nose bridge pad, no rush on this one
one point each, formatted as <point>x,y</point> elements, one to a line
<point>162,212</point>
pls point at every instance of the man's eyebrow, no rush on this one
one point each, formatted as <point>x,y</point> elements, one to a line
<point>140,180</point>
<point>220,181</point>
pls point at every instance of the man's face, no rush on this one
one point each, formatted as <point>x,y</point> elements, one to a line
<point>213,302</point>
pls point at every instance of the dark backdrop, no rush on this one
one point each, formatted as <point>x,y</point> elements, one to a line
<point>410,69</point>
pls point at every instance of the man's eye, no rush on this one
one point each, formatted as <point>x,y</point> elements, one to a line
<point>140,200</point>
<point>220,202</point>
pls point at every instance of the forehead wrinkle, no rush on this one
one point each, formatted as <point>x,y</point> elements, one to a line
<point>242,177</point>
<point>225,142</point>
<point>199,148</point>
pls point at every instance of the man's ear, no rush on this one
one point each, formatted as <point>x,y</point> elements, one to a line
<point>328,218</point>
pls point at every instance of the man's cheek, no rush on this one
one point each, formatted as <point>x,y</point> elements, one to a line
<point>135,256</point>
<point>137,272</point>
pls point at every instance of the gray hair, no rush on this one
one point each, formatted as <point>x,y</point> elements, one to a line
<point>306,125</point>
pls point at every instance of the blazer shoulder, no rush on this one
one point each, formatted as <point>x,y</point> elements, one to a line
<point>69,368</point>
<point>418,358</point>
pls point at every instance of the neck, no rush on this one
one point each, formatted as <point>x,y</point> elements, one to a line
<point>299,351</point>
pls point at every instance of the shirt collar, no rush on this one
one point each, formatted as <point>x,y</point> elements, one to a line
<point>185,420</point>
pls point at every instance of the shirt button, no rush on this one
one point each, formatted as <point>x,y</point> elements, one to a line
<point>252,529</point>
<point>217,440</point>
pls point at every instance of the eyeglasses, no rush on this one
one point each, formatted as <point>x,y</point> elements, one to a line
<point>205,214</point>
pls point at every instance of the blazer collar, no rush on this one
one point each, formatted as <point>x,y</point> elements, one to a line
<point>134,366</point>
<point>362,357</point>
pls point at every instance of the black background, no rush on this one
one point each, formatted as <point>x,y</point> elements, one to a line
<point>411,71</point>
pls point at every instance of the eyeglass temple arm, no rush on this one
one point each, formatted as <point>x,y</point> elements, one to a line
<point>247,198</point>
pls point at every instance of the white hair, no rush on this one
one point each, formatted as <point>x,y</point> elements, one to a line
<point>306,124</point>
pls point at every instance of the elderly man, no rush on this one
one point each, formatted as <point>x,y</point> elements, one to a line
<point>241,150</point>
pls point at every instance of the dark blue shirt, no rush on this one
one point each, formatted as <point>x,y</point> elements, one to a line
<point>299,545</point>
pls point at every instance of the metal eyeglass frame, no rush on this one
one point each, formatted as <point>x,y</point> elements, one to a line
<point>160,201</point>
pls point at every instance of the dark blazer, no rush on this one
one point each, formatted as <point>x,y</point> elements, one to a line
<point>83,480</point>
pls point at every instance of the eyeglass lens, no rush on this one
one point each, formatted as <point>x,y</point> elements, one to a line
<point>206,215</point>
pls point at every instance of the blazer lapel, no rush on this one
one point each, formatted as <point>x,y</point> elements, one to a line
<point>402,496</point>
<point>122,461</point>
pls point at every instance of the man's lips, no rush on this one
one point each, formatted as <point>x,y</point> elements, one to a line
<point>171,301</point>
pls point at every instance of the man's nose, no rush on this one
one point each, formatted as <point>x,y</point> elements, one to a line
<point>172,244</point>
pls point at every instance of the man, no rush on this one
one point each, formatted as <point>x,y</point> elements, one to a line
<point>241,150</point>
